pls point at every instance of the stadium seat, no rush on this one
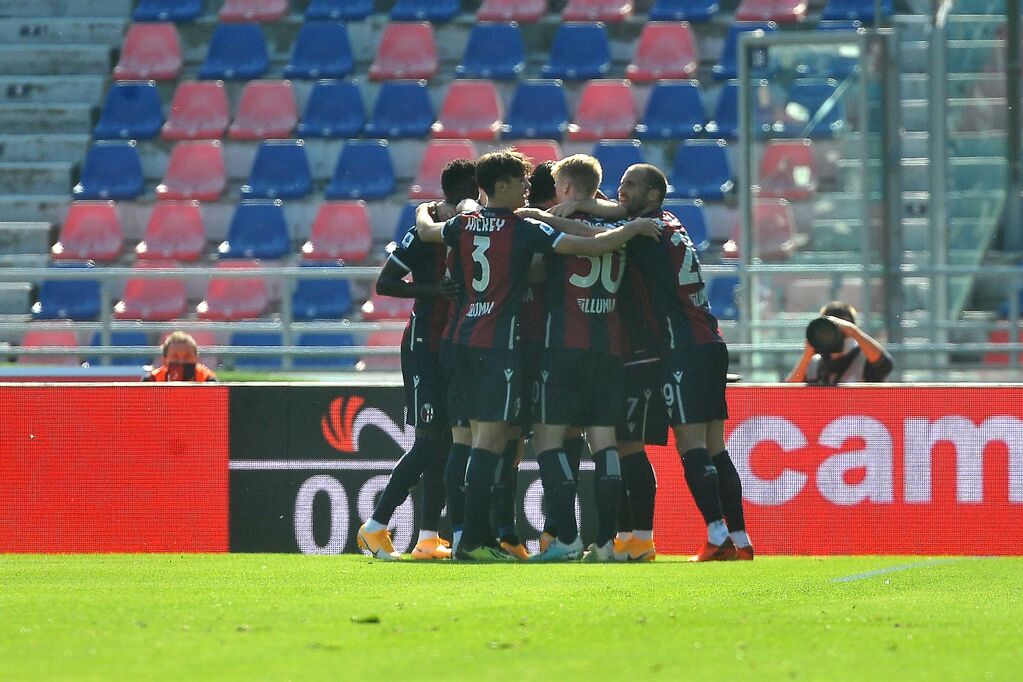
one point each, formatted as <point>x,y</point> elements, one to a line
<point>341,229</point>
<point>334,109</point>
<point>150,51</point>
<point>121,339</point>
<point>199,111</point>
<point>597,10</point>
<point>402,109</point>
<point>71,299</point>
<point>111,170</point>
<point>152,299</point>
<point>472,110</point>
<point>728,65</point>
<point>322,340</point>
<point>236,52</point>
<point>321,50</point>
<point>539,109</point>
<point>406,51</point>
<point>195,171</point>
<point>380,307</point>
<point>788,171</point>
<point>665,50</point>
<point>493,51</point>
<point>693,218</point>
<point>258,230</point>
<point>723,295</point>
<point>321,299</point>
<point>49,338</point>
<point>364,171</point>
<point>279,171</point>
<point>385,338</point>
<point>829,63</point>
<point>782,11</point>
<point>525,11</point>
<point>271,339</point>
<point>581,51</point>
<point>1000,336</point>
<point>862,10</point>
<point>406,220</point>
<point>674,110</point>
<point>615,157</point>
<point>683,10</point>
<point>91,231</point>
<point>253,10</point>
<point>332,10</point>
<point>606,111</point>
<point>234,298</point>
<point>538,151</point>
<point>774,229</point>
<point>425,10</point>
<point>132,111</point>
<point>178,11</point>
<point>267,110</point>
<point>725,123</point>
<point>437,155</point>
<point>815,108</point>
<point>701,170</point>
<point>175,231</point>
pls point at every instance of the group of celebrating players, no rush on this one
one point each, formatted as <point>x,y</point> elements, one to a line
<point>546,313</point>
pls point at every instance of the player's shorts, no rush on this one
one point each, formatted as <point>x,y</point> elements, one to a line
<point>425,385</point>
<point>532,356</point>
<point>645,419</point>
<point>485,384</point>
<point>579,387</point>
<point>447,363</point>
<point>695,379</point>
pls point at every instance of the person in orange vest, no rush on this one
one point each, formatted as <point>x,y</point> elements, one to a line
<point>181,361</point>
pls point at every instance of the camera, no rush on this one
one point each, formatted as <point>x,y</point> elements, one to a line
<point>824,336</point>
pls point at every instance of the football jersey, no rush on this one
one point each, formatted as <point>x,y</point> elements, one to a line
<point>532,315</point>
<point>493,250</point>
<point>427,263</point>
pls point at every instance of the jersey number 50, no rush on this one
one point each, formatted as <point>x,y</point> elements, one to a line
<point>602,269</point>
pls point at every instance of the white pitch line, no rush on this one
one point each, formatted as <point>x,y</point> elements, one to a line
<point>894,569</point>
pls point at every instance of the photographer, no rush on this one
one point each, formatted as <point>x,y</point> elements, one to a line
<point>839,352</point>
<point>181,361</point>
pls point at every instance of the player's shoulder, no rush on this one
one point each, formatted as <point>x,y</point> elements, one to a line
<point>669,219</point>
<point>533,223</point>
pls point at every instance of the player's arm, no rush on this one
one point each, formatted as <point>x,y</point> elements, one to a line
<point>429,229</point>
<point>566,225</point>
<point>611,240</point>
<point>391,282</point>
<point>601,208</point>
<point>537,271</point>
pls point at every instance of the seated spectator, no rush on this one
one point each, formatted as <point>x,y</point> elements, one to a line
<point>839,352</point>
<point>181,361</point>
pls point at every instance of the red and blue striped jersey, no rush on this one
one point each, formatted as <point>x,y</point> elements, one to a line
<point>427,263</point>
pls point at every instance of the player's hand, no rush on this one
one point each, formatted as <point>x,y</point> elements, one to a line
<point>565,209</point>
<point>847,327</point>
<point>448,288</point>
<point>534,213</point>
<point>645,227</point>
<point>442,211</point>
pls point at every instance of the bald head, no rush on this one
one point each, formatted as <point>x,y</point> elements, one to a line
<point>642,189</point>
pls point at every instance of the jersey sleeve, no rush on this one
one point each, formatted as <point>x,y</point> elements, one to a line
<point>409,252</point>
<point>452,229</point>
<point>541,236</point>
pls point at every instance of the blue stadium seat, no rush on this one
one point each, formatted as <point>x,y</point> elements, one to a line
<point>405,221</point>
<point>683,10</point>
<point>68,299</point>
<point>111,170</point>
<point>722,292</point>
<point>494,51</point>
<point>132,111</point>
<point>321,299</point>
<point>279,171</point>
<point>615,156</point>
<point>538,110</point>
<point>321,50</point>
<point>728,65</point>
<point>425,10</point>
<point>258,230</point>
<point>581,51</point>
<point>861,10</point>
<point>236,52</point>
<point>257,339</point>
<point>364,171</point>
<point>178,11</point>
<point>348,10</point>
<point>334,109</point>
<point>692,217</point>
<point>725,123</point>
<point>402,109</point>
<point>675,109</point>
<point>123,339</point>
<point>701,170</point>
<point>320,340</point>
<point>815,109</point>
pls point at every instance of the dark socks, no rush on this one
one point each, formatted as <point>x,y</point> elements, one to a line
<point>454,480</point>
<point>405,476</point>
<point>608,489</point>
<point>639,476</point>
<point>624,507</point>
<point>479,485</point>
<point>730,491</point>
<point>505,489</point>
<point>574,450</point>
<point>702,478</point>
<point>433,484</point>
<point>559,487</point>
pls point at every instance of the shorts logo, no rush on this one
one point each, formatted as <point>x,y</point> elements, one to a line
<point>545,374</point>
<point>426,413</point>
<point>508,373</point>
<point>647,393</point>
<point>678,377</point>
<point>415,381</point>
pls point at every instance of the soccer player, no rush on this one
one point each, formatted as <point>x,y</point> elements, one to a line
<point>425,388</point>
<point>494,249</point>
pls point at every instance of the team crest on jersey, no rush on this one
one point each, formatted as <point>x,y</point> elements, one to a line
<point>408,239</point>
<point>546,228</point>
<point>426,413</point>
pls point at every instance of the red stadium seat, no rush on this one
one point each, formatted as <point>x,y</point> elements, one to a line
<point>384,338</point>
<point>1000,336</point>
<point>175,231</point>
<point>267,110</point>
<point>774,231</point>
<point>380,307</point>
<point>152,300</point>
<point>253,10</point>
<point>525,11</point>
<point>235,298</point>
<point>472,109</point>
<point>150,52</point>
<point>199,111</point>
<point>597,10</point>
<point>195,171</point>
<point>44,338</point>
<point>788,171</point>
<point>538,151</point>
<point>341,230</point>
<point>606,111</point>
<point>407,51</point>
<point>91,231</point>
<point>665,50</point>
<point>437,155</point>
<point>781,11</point>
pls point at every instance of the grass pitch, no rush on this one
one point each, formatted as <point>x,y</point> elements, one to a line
<point>278,617</point>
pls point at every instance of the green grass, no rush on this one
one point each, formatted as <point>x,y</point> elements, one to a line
<point>279,617</point>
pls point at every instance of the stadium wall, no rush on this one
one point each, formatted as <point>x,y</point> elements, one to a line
<point>296,468</point>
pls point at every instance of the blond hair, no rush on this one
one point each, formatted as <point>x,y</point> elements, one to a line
<point>582,171</point>
<point>178,337</point>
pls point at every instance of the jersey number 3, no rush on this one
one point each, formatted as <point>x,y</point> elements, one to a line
<point>479,255</point>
